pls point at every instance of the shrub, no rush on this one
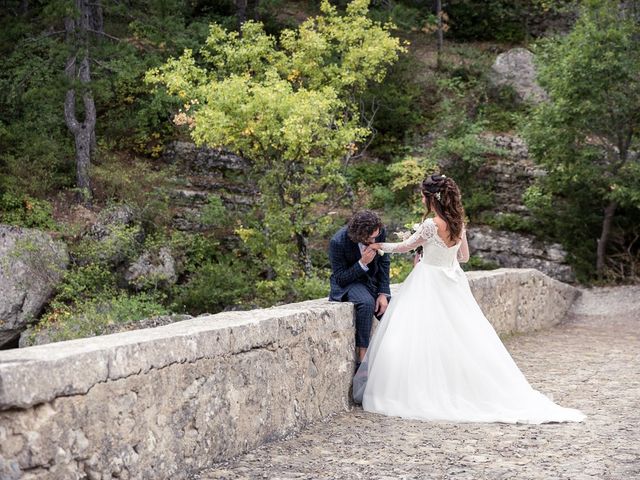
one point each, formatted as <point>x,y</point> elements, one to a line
<point>26,211</point>
<point>90,317</point>
<point>214,286</point>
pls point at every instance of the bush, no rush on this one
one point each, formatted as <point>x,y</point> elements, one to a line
<point>369,174</point>
<point>477,263</point>
<point>476,198</point>
<point>213,287</point>
<point>401,267</point>
<point>503,112</point>
<point>486,20</point>
<point>91,317</point>
<point>26,211</point>
<point>311,288</point>
<point>214,213</point>
<point>509,221</point>
<point>123,243</point>
<point>138,183</point>
<point>84,282</point>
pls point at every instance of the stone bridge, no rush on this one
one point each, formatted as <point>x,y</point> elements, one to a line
<point>265,394</point>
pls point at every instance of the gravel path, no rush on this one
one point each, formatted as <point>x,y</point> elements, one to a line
<point>591,362</point>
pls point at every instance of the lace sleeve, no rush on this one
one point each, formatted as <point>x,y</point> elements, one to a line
<point>425,231</point>
<point>463,251</point>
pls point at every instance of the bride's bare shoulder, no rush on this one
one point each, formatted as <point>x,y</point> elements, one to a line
<point>440,223</point>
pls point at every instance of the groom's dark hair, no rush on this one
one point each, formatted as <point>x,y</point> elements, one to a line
<point>362,225</point>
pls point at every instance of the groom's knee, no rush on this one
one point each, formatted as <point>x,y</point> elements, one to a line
<point>365,304</point>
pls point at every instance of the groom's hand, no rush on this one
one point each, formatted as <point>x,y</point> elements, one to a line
<point>381,304</point>
<point>367,255</point>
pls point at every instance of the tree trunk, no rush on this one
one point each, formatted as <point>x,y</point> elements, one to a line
<point>241,12</point>
<point>609,211</point>
<point>303,254</point>
<point>77,31</point>
<point>440,33</point>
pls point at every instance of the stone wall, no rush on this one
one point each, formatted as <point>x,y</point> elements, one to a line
<point>169,401</point>
<point>521,300</point>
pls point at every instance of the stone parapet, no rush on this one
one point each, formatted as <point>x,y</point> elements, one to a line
<point>168,401</point>
<point>518,300</point>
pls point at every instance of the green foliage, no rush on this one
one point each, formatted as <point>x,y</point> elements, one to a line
<point>93,316</point>
<point>310,288</point>
<point>214,286</point>
<point>33,156</point>
<point>401,267</point>
<point>397,106</point>
<point>289,105</point>
<point>477,197</point>
<point>84,282</point>
<point>214,213</point>
<point>121,244</point>
<point>503,112</point>
<point>369,174</point>
<point>509,221</point>
<point>26,211</point>
<point>477,263</point>
<point>190,250</point>
<point>405,17</point>
<point>381,197</point>
<point>138,183</point>
<point>586,136</point>
<point>407,174</point>
<point>88,300</point>
<point>36,150</point>
<point>502,20</point>
<point>486,20</point>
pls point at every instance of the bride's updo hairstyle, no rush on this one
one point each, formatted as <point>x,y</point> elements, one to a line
<point>443,196</point>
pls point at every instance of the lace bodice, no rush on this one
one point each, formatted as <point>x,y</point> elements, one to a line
<point>434,250</point>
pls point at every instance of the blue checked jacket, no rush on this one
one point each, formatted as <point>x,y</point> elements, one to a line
<point>346,271</point>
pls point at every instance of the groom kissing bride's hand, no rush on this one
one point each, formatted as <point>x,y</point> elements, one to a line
<point>359,274</point>
<point>370,253</point>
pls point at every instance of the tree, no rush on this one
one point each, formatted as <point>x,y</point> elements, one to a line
<point>587,134</point>
<point>88,20</point>
<point>291,107</point>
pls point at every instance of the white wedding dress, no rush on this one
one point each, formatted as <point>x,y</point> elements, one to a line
<point>435,356</point>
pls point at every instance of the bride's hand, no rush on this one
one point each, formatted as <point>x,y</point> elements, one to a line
<point>376,246</point>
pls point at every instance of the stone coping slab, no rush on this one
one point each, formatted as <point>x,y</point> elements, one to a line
<point>38,374</point>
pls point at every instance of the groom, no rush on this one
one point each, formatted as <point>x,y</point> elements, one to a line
<point>359,275</point>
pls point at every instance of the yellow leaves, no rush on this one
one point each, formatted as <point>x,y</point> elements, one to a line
<point>156,151</point>
<point>245,234</point>
<point>395,271</point>
<point>293,76</point>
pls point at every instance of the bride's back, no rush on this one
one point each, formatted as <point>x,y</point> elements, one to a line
<point>434,250</point>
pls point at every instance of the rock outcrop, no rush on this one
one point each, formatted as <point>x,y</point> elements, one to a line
<point>157,270</point>
<point>516,250</point>
<point>515,68</point>
<point>118,233</point>
<point>31,265</point>
<point>205,172</point>
<point>509,174</point>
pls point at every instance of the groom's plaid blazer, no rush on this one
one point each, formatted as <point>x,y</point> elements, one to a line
<point>346,271</point>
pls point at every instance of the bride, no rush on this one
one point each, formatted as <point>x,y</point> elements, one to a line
<point>435,356</point>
